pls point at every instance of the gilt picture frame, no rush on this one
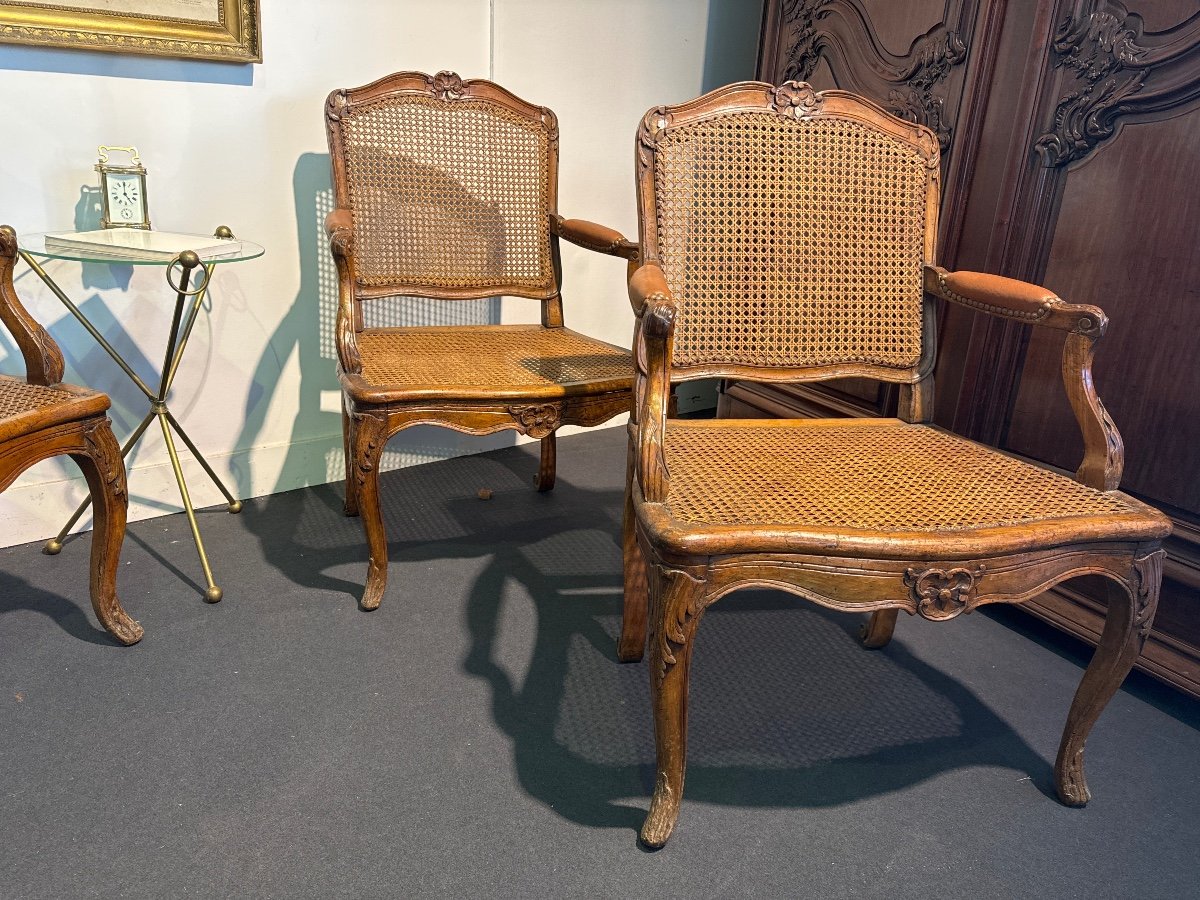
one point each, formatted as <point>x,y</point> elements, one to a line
<point>224,30</point>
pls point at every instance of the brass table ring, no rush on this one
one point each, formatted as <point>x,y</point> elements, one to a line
<point>178,261</point>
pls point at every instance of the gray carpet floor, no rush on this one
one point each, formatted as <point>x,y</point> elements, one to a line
<point>475,736</point>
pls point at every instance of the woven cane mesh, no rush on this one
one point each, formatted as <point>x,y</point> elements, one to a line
<point>448,193</point>
<point>19,397</point>
<point>878,478</point>
<point>482,357</point>
<point>791,242</point>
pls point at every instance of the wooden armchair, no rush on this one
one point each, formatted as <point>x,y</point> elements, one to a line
<point>41,417</point>
<point>789,235</point>
<point>448,188</point>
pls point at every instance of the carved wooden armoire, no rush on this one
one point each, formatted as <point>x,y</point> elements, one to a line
<point>1070,134</point>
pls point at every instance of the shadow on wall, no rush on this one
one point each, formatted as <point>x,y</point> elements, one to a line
<point>314,448</point>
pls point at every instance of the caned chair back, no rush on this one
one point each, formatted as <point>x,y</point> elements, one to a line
<point>792,227</point>
<point>450,184</point>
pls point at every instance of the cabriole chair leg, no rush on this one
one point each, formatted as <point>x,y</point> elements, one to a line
<point>677,601</point>
<point>632,643</point>
<point>1130,613</point>
<point>545,475</point>
<point>877,631</point>
<point>104,470</point>
<point>351,502</point>
<point>368,435</point>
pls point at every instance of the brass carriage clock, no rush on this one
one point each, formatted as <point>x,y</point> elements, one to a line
<point>123,189</point>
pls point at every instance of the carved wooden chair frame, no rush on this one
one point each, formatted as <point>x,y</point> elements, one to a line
<point>372,415</point>
<point>673,575</point>
<point>72,423</point>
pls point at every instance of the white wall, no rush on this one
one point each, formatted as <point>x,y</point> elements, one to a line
<point>245,146</point>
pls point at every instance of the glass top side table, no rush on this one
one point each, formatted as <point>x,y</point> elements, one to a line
<point>189,287</point>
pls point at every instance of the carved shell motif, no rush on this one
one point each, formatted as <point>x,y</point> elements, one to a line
<point>446,86</point>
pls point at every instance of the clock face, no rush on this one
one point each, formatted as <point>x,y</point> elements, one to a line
<point>126,202</point>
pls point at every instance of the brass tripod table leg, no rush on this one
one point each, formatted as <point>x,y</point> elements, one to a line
<point>235,505</point>
<point>212,594</point>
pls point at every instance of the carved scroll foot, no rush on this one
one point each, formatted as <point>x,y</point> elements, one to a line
<point>367,437</point>
<point>677,600</point>
<point>664,813</point>
<point>632,643</point>
<point>1130,615</point>
<point>545,475</point>
<point>376,584</point>
<point>877,632</point>
<point>351,505</point>
<point>105,473</point>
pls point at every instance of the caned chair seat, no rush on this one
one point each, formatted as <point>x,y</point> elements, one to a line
<point>880,487</point>
<point>25,408</point>
<point>486,362</point>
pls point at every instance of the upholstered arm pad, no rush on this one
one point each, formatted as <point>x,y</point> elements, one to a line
<point>1014,299</point>
<point>646,285</point>
<point>339,226</point>
<point>595,237</point>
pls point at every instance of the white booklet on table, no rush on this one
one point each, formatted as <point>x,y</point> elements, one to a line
<point>135,243</point>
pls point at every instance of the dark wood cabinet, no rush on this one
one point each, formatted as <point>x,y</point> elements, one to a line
<point>1070,133</point>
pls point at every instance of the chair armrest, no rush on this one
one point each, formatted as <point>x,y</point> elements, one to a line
<point>646,285</point>
<point>43,359</point>
<point>655,307</point>
<point>1012,299</point>
<point>339,227</point>
<point>595,237</point>
<point>1103,449</point>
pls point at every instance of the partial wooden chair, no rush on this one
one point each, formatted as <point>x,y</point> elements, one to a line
<point>448,188</point>
<point>788,235</point>
<point>41,417</point>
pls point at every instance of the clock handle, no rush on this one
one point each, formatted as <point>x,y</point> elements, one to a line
<point>132,151</point>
